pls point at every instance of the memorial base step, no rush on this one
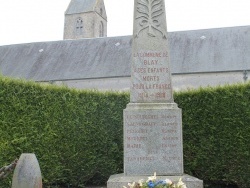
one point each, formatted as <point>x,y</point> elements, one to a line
<point>120,180</point>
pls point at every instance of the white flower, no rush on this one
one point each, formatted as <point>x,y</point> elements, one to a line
<point>140,182</point>
<point>131,185</point>
<point>152,178</point>
<point>180,184</point>
<point>168,181</point>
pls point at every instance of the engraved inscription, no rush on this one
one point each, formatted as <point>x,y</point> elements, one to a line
<point>152,138</point>
<point>134,146</point>
<point>141,129</point>
<point>139,159</point>
<point>153,74</point>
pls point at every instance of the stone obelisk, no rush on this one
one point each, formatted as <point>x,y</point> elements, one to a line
<point>152,120</point>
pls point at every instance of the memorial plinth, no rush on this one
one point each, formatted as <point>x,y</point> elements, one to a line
<point>152,121</point>
<point>152,139</point>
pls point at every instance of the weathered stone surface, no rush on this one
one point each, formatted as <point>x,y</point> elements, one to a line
<point>120,180</point>
<point>27,173</point>
<point>152,121</point>
<point>150,70</point>
<point>153,139</point>
<point>80,6</point>
<point>85,19</point>
<point>90,27</point>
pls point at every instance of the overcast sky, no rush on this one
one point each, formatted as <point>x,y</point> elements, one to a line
<point>24,21</point>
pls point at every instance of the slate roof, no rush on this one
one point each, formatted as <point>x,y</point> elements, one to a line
<point>80,6</point>
<point>68,59</point>
<point>213,50</point>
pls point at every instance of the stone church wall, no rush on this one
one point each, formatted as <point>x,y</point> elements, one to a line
<point>100,26</point>
<point>88,30</point>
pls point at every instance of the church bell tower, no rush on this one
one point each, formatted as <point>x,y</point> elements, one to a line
<point>85,19</point>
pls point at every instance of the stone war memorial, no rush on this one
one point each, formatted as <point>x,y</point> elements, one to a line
<point>152,120</point>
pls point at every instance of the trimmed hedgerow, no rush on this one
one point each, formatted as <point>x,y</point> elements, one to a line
<point>77,135</point>
<point>216,133</point>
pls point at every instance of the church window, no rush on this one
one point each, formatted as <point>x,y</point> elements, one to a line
<point>79,26</point>
<point>101,11</point>
<point>101,30</point>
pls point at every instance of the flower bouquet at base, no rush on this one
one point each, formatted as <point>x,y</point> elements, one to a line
<point>153,183</point>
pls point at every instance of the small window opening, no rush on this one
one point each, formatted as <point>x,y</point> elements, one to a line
<point>101,30</point>
<point>79,26</point>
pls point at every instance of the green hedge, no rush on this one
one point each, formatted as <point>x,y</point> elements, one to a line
<point>77,135</point>
<point>216,126</point>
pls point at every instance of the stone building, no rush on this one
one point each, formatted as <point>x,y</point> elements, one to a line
<point>197,58</point>
<point>85,19</point>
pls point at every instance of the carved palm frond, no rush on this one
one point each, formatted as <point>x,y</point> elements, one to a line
<point>143,9</point>
<point>157,9</point>
<point>149,11</point>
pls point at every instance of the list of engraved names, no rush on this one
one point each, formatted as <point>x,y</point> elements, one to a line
<point>152,137</point>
